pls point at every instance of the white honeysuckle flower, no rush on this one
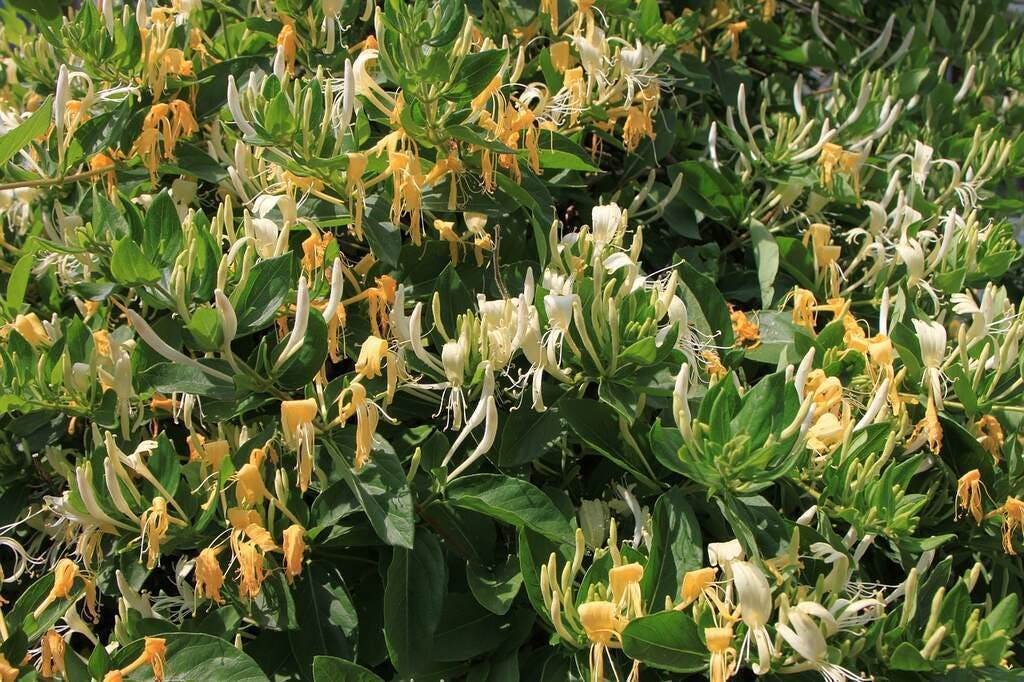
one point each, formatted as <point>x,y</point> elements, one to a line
<point>235,107</point>
<point>559,310</point>
<point>556,283</point>
<point>804,636</point>
<point>755,599</point>
<point>723,553</point>
<point>606,222</point>
<point>932,337</point>
<point>298,333</point>
<point>681,404</point>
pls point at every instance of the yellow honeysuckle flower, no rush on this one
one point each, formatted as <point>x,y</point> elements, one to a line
<point>747,334</point>
<point>990,435</point>
<point>155,522</point>
<point>695,583</point>
<point>240,518</point>
<point>723,654</point>
<point>288,42</point>
<point>930,426</point>
<point>294,548</point>
<point>366,413</point>
<point>371,354</point>
<point>603,626</point>
<point>625,585</point>
<point>299,435</point>
<point>968,495</point>
<point>64,573</point>
<point>249,486</point>
<point>103,166</point>
<point>735,29</point>
<point>250,570</point>
<point>8,673</point>
<point>51,655</point>
<point>31,329</point>
<point>819,237</point>
<point>1012,512</point>
<point>314,248</point>
<point>209,576</point>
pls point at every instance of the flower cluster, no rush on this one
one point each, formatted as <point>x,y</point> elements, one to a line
<point>348,339</point>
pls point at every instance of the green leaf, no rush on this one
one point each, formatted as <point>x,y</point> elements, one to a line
<point>326,617</point>
<point>668,640</point>
<point>705,303</point>
<point>172,377</point>
<point>205,329</point>
<point>265,291</point>
<point>766,254</point>
<point>384,238</point>
<point>495,589</point>
<point>194,656</point>
<point>32,127</point>
<point>331,669</point>
<point>161,236</point>
<point>129,265</point>
<point>676,548</point>
<point>511,500</point>
<point>467,630</point>
<point>907,657</point>
<point>18,282</point>
<point>475,74</point>
<point>383,493</point>
<point>597,425</point>
<point>557,152</point>
<point>413,601</point>
<point>527,435</point>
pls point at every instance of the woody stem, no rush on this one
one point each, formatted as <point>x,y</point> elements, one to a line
<point>48,182</point>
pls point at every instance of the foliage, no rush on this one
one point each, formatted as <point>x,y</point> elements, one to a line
<point>499,340</point>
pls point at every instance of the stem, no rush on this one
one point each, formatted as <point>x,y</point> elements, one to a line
<point>61,180</point>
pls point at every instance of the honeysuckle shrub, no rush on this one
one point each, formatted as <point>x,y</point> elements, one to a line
<point>589,340</point>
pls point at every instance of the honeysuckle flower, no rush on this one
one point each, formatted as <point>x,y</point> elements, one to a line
<point>559,309</point>
<point>249,486</point>
<point>8,673</point>
<point>746,333</point>
<point>155,522</point>
<point>723,655</point>
<point>681,402</point>
<point>755,602</point>
<point>603,626</point>
<point>825,433</point>
<point>695,584</point>
<point>990,435</point>
<point>250,570</point>
<point>1012,512</point>
<point>932,338</point>
<point>298,333</point>
<point>294,547</point>
<point>154,341</point>
<point>31,329</point>
<point>921,162</point>
<point>366,414</point>
<point>52,654</point>
<point>819,237</point>
<point>724,554</point>
<point>209,576</point>
<point>804,636</point>
<point>235,107</point>
<point>968,495</point>
<point>624,581</point>
<point>371,354</point>
<point>928,430</point>
<point>154,654</point>
<point>64,574</point>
